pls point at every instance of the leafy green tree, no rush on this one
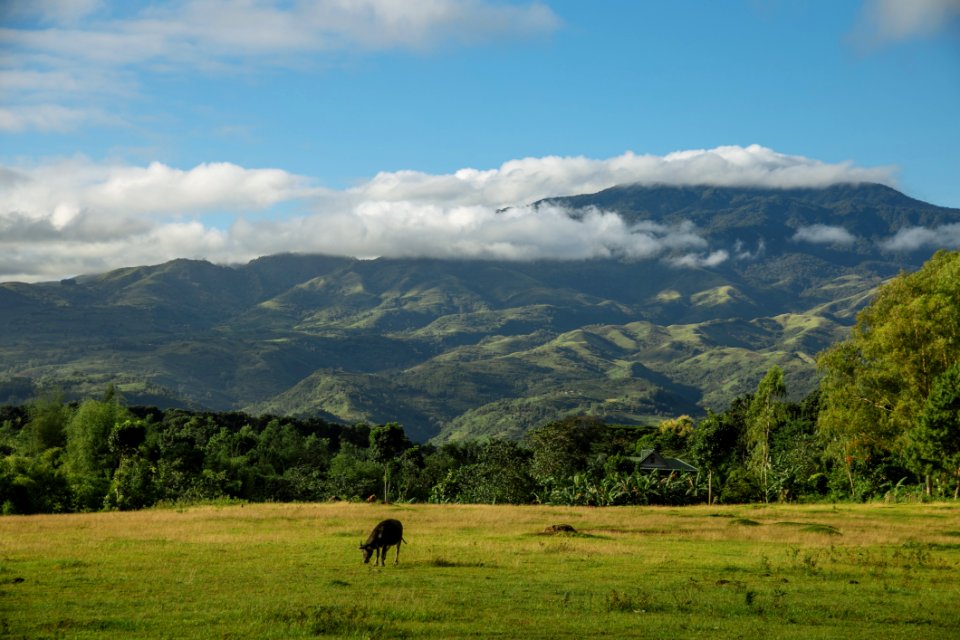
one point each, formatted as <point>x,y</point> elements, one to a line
<point>34,484</point>
<point>225,453</point>
<point>352,475</point>
<point>411,481</point>
<point>719,445</point>
<point>564,447</point>
<point>89,457</point>
<point>306,479</point>
<point>133,485</point>
<point>673,435</point>
<point>796,457</point>
<point>934,443</point>
<point>712,444</point>
<point>764,415</point>
<point>500,475</point>
<point>277,459</point>
<point>387,442</point>
<point>178,447</point>
<point>127,436</point>
<point>875,384</point>
<point>47,427</point>
<point>12,428</point>
<point>439,462</point>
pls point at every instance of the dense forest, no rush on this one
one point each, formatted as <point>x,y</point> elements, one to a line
<point>883,424</point>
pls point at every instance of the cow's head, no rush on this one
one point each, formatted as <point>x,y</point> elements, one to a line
<point>367,552</point>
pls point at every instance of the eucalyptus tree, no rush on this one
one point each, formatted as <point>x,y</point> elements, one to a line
<point>764,415</point>
<point>714,443</point>
<point>876,383</point>
<point>563,447</point>
<point>387,443</point>
<point>48,416</point>
<point>934,444</point>
<point>90,460</point>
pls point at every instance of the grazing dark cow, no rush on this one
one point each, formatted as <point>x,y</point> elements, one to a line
<point>384,535</point>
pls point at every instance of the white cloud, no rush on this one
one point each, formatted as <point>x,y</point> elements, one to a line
<point>78,216</point>
<point>885,21</point>
<point>403,229</point>
<point>691,260</point>
<point>78,184</point>
<point>824,234</point>
<point>521,181</point>
<point>48,117</point>
<point>914,238</point>
<point>742,252</point>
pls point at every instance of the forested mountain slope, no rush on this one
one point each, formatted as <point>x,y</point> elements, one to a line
<point>739,280</point>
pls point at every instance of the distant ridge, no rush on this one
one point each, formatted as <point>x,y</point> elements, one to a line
<point>872,212</point>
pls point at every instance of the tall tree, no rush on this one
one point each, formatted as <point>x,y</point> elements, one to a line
<point>387,442</point>
<point>563,447</point>
<point>875,384</point>
<point>712,443</point>
<point>90,459</point>
<point>934,443</point>
<point>48,418</point>
<point>765,413</point>
<point>500,475</point>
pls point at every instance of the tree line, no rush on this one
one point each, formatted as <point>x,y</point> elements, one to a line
<point>884,423</point>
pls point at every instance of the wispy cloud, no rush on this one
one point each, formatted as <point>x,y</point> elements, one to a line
<point>65,54</point>
<point>712,259</point>
<point>883,22</point>
<point>50,118</point>
<point>79,216</point>
<point>824,234</point>
<point>196,30</point>
<point>915,238</point>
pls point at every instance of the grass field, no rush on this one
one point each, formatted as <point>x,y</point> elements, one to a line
<point>293,570</point>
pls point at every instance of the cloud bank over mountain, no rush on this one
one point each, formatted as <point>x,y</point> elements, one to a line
<point>74,216</point>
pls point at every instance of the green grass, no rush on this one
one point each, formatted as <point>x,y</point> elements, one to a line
<point>288,571</point>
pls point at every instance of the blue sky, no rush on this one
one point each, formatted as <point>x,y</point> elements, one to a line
<point>138,132</point>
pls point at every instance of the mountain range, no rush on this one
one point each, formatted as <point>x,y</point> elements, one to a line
<point>722,284</point>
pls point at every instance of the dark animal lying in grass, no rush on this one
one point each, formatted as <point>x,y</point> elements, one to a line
<point>384,535</point>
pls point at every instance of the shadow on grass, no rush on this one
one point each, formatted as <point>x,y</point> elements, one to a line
<point>744,522</point>
<point>811,527</point>
<point>445,564</point>
<point>569,536</point>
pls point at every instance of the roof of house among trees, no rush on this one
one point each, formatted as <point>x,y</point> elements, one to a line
<point>650,459</point>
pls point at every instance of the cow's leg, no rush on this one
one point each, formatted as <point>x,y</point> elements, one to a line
<point>397,561</point>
